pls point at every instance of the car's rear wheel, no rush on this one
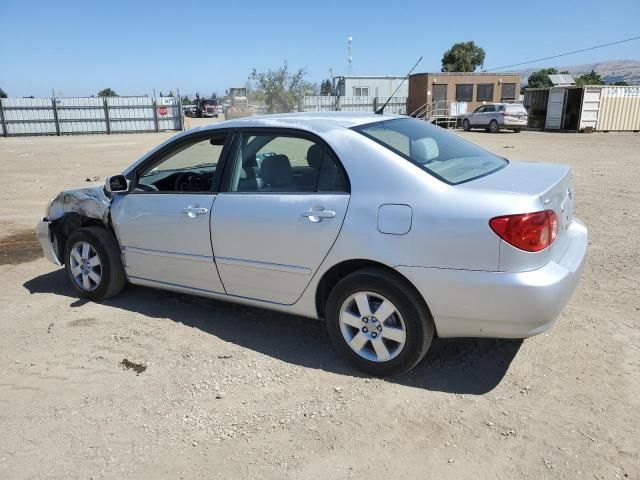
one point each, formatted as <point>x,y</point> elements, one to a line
<point>466,125</point>
<point>93,263</point>
<point>516,130</point>
<point>494,127</point>
<point>378,322</point>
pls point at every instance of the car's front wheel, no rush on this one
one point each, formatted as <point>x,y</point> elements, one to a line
<point>466,125</point>
<point>378,322</point>
<point>93,263</point>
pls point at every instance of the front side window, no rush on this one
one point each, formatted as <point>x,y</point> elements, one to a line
<point>191,167</point>
<point>464,93</point>
<point>440,153</point>
<point>484,92</point>
<point>284,163</point>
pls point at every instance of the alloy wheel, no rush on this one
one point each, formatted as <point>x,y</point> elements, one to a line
<point>372,326</point>
<point>86,267</point>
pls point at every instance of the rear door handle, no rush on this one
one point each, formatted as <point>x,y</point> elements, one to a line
<point>317,215</point>
<point>193,211</point>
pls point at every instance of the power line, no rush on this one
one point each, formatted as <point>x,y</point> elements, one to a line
<point>563,54</point>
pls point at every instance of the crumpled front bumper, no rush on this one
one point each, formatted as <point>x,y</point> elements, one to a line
<point>45,237</point>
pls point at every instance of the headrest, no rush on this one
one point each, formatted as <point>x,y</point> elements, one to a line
<point>314,156</point>
<point>276,170</point>
<point>424,150</point>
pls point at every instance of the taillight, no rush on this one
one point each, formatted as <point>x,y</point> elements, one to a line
<point>531,232</point>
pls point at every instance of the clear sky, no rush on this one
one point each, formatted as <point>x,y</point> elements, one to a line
<point>135,46</point>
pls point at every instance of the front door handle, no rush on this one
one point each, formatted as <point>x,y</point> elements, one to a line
<point>193,211</point>
<point>316,216</point>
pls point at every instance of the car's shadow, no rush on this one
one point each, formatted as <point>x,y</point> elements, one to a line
<point>469,366</point>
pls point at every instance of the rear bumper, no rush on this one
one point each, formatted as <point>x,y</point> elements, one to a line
<point>501,304</point>
<point>514,123</point>
<point>43,231</point>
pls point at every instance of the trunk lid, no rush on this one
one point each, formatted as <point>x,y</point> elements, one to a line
<point>552,183</point>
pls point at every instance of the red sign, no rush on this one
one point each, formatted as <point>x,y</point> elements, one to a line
<point>162,111</point>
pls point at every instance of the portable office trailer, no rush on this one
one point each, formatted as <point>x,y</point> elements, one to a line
<point>370,86</point>
<point>579,108</point>
<point>472,88</point>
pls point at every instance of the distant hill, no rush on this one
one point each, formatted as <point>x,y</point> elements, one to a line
<point>615,71</point>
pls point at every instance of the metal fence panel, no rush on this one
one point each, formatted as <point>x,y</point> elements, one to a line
<point>82,115</point>
<point>328,103</point>
<point>169,114</point>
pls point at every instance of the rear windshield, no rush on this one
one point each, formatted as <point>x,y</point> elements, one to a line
<point>519,109</point>
<point>440,153</point>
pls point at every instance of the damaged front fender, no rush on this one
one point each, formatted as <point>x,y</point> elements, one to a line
<point>89,202</point>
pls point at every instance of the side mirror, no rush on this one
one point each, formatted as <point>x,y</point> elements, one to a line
<point>116,183</point>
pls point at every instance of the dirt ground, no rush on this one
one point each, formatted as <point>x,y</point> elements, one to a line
<point>158,385</point>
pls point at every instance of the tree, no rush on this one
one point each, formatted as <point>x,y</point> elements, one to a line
<point>326,88</point>
<point>540,79</point>
<point>107,92</point>
<point>282,88</point>
<point>462,57</point>
<point>591,78</point>
<point>620,83</point>
<point>3,94</point>
<point>186,101</point>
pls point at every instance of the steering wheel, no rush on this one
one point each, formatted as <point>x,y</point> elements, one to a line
<point>190,182</point>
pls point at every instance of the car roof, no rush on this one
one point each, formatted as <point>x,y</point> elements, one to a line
<point>305,121</point>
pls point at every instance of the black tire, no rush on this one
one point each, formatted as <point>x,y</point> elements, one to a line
<point>494,127</point>
<point>113,278</point>
<point>517,130</point>
<point>418,322</point>
<point>466,125</point>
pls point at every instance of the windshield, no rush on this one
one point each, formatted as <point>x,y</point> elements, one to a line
<point>442,154</point>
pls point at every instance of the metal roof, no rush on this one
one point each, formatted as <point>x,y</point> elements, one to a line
<point>562,79</point>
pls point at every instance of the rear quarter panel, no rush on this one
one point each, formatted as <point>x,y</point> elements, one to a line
<point>449,227</point>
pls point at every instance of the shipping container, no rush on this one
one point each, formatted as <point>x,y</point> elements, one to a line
<point>584,108</point>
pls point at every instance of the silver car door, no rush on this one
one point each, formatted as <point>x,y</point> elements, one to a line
<point>476,117</point>
<point>162,223</point>
<point>488,115</point>
<point>286,200</point>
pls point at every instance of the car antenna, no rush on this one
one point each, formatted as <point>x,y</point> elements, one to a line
<point>380,111</point>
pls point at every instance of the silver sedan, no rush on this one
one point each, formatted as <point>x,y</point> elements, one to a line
<point>389,229</point>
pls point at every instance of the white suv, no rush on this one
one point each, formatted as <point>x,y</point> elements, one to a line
<point>496,116</point>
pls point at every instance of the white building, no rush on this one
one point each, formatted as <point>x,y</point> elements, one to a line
<point>370,86</point>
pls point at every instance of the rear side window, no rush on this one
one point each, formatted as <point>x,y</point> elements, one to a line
<point>280,163</point>
<point>440,153</point>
